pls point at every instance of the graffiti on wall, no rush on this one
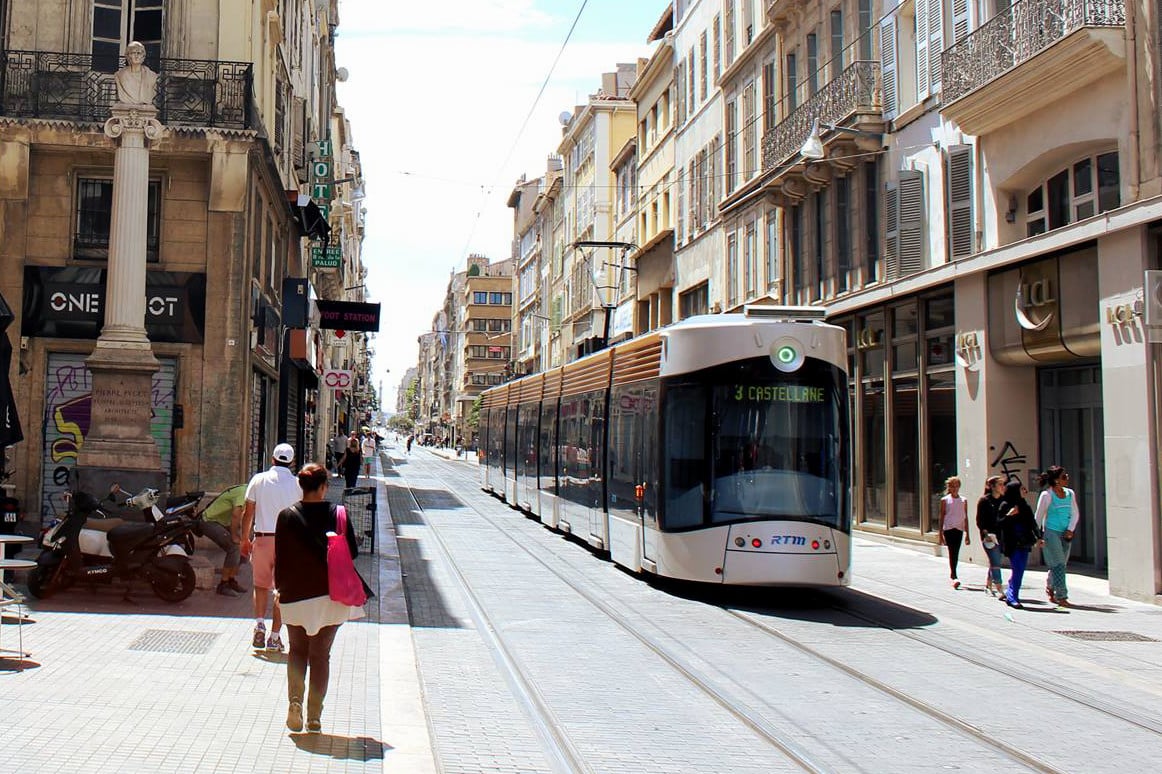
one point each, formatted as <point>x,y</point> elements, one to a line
<point>67,413</point>
<point>1008,459</point>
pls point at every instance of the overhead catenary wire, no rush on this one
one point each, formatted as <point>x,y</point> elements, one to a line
<point>486,192</point>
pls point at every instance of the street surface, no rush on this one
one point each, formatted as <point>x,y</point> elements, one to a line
<point>495,645</point>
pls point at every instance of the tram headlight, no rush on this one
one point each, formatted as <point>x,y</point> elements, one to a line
<point>739,542</point>
<point>787,355</point>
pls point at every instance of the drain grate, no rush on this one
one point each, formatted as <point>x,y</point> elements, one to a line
<point>1099,636</point>
<point>174,641</point>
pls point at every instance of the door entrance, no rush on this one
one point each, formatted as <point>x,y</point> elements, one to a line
<point>1073,436</point>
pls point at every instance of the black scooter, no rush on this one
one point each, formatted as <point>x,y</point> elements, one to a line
<point>155,550</point>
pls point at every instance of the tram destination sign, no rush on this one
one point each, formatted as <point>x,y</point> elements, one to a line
<point>779,393</point>
<point>348,316</point>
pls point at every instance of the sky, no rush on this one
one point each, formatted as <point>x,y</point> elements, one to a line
<point>436,94</point>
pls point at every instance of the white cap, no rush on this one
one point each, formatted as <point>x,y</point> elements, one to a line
<point>284,452</point>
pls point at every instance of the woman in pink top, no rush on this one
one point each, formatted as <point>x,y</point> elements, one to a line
<point>953,524</point>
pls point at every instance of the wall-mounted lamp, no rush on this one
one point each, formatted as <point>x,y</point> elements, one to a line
<point>1011,214</point>
<point>812,149</point>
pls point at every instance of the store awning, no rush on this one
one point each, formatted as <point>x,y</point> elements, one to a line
<point>308,216</point>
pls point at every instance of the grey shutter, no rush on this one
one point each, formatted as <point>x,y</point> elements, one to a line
<point>298,133</point>
<point>922,40</point>
<point>935,43</point>
<point>891,231</point>
<point>911,223</point>
<point>888,68</point>
<point>960,20</point>
<point>960,221</point>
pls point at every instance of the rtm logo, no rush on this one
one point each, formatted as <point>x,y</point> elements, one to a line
<point>788,540</point>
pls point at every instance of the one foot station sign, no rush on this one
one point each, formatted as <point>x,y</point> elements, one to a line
<point>348,316</point>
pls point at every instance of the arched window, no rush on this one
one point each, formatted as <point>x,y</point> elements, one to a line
<point>1087,187</point>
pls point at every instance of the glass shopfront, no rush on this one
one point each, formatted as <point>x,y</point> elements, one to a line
<point>903,395</point>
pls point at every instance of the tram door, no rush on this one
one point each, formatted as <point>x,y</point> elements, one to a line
<point>648,473</point>
<point>1073,436</point>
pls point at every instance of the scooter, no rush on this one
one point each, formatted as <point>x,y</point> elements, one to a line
<point>157,550</point>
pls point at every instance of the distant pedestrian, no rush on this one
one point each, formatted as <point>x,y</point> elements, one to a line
<point>953,524</point>
<point>222,523</point>
<point>312,617</point>
<point>409,443</point>
<point>1057,514</point>
<point>1019,535</point>
<point>336,445</point>
<point>352,460</point>
<point>369,448</point>
<point>267,494</point>
<point>988,522</point>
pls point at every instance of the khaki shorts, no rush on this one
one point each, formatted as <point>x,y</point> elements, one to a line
<point>262,560</point>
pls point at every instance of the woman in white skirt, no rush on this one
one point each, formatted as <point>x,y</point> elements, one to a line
<point>311,616</point>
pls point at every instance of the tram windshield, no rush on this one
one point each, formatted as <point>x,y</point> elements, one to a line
<point>776,443</point>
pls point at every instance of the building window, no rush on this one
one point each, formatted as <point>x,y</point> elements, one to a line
<point>702,73</point>
<point>1081,190</point>
<point>792,83</point>
<point>836,42</point>
<point>771,249</point>
<point>749,134</point>
<point>694,301</point>
<point>118,22</point>
<point>717,52</point>
<point>732,269</point>
<point>871,221</point>
<point>795,248</point>
<point>842,233</point>
<point>812,64</point>
<point>503,299</point>
<point>95,216</point>
<point>750,258</point>
<point>770,97</point>
<point>480,297</point>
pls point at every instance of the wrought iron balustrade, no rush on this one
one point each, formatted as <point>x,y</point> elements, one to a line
<point>1015,36</point>
<point>68,87</point>
<point>855,90</point>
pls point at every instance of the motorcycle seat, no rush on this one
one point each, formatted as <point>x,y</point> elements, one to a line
<point>122,539</point>
<point>103,525</point>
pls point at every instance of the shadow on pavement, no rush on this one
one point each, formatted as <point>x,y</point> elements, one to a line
<point>350,748</point>
<point>426,606</point>
<point>11,664</point>
<point>270,656</point>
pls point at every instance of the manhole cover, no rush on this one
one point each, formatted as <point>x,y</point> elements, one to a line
<point>1095,636</point>
<point>174,641</point>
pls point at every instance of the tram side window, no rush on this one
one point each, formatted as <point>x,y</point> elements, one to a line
<point>596,448</point>
<point>649,469</point>
<point>684,468</point>
<point>510,442</point>
<point>527,454</point>
<point>568,466</point>
<point>548,447</point>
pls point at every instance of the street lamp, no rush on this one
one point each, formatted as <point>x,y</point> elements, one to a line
<point>812,149</point>
<point>607,304</point>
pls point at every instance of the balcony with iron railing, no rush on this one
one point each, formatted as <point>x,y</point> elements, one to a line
<point>57,86</point>
<point>1031,54</point>
<point>851,99</point>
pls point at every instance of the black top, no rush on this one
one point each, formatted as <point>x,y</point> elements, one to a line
<point>300,550</point>
<point>987,518</point>
<point>1018,532</point>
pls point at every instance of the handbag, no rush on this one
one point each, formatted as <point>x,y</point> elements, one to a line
<point>343,583</point>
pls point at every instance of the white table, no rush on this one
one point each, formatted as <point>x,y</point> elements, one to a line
<point>11,597</point>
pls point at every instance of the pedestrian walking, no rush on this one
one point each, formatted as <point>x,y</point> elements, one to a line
<point>312,617</point>
<point>1057,514</point>
<point>337,444</point>
<point>987,522</point>
<point>267,494</point>
<point>368,447</point>
<point>409,443</point>
<point>222,523</point>
<point>352,460</point>
<point>953,524</point>
<point>1019,535</point>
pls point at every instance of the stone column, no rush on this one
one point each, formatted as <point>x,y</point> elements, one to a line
<point>118,447</point>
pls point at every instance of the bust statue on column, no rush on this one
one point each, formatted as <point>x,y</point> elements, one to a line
<point>136,83</point>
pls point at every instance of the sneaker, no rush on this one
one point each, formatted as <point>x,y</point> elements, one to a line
<point>294,716</point>
<point>274,643</point>
<point>234,584</point>
<point>226,590</point>
<point>314,726</point>
<point>955,583</point>
<point>259,639</point>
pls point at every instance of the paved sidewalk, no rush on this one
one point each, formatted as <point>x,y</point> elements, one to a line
<point>145,686</point>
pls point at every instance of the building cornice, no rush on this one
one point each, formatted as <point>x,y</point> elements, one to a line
<point>659,65</point>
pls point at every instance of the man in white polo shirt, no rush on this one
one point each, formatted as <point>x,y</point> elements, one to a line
<point>267,494</point>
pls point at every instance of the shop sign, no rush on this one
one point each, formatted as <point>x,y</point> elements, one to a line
<point>1153,306</point>
<point>332,258</point>
<point>348,316</point>
<point>968,351</point>
<point>1035,303</point>
<point>868,338</point>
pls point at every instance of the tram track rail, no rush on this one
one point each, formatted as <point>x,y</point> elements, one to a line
<point>778,738</point>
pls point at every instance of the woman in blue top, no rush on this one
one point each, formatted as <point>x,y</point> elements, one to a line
<point>1057,515</point>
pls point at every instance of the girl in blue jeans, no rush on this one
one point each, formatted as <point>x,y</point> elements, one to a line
<point>1019,535</point>
<point>988,522</point>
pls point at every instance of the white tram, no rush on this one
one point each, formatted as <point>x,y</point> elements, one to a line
<point>714,450</point>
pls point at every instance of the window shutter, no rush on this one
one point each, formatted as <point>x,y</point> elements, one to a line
<point>911,223</point>
<point>298,133</point>
<point>888,68</point>
<point>891,231</point>
<point>960,225</point>
<point>935,43</point>
<point>923,37</point>
<point>960,20</point>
